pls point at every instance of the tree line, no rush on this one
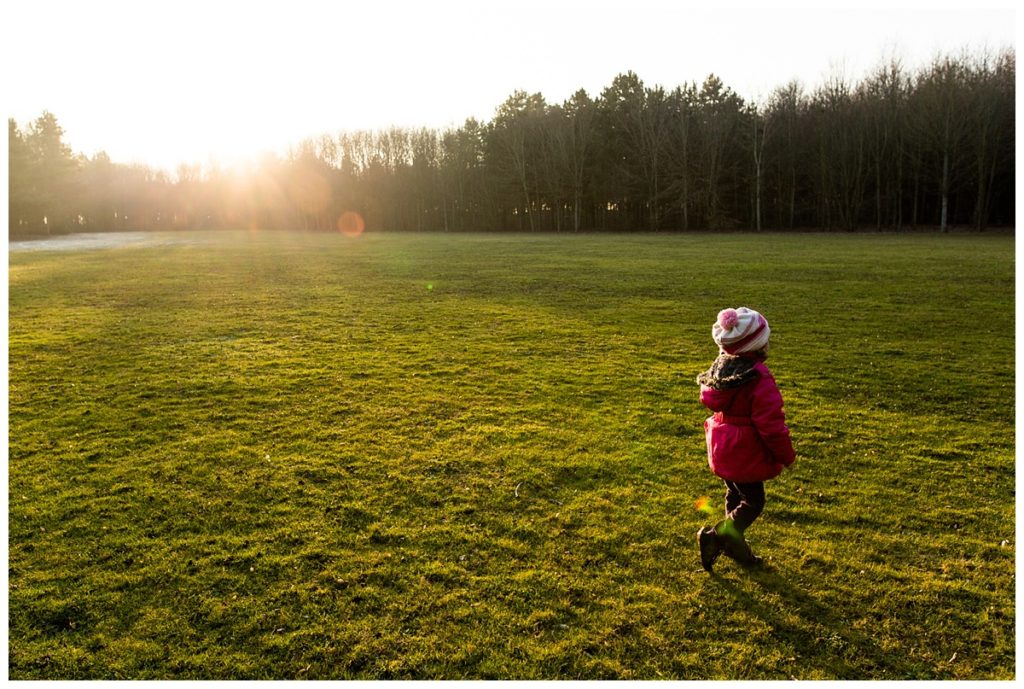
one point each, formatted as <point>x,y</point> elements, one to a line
<point>894,150</point>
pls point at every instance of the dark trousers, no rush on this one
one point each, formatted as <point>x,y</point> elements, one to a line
<point>744,502</point>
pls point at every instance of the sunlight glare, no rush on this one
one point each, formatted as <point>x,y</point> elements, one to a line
<point>309,191</point>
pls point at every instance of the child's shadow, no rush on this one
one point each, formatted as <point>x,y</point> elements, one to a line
<point>844,642</point>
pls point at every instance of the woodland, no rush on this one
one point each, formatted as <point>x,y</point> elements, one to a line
<point>931,148</point>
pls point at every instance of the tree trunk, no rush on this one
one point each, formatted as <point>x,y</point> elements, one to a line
<point>945,191</point>
<point>917,193</point>
<point>757,198</point>
<point>986,200</point>
<point>979,204</point>
<point>878,190</point>
<point>758,154</point>
<point>899,185</point>
<point>527,209</point>
<point>792,196</point>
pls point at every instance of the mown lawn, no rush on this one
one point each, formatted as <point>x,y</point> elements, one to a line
<point>300,456</point>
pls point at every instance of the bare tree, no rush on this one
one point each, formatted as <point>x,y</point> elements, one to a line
<point>989,101</point>
<point>720,112</point>
<point>786,110</point>
<point>939,120</point>
<point>760,135</point>
<point>514,133</point>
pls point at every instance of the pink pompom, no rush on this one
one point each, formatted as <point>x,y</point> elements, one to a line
<point>728,319</point>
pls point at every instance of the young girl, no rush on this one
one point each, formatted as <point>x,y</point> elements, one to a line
<point>748,441</point>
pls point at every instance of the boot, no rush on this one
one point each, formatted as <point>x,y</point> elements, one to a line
<point>734,544</point>
<point>710,547</point>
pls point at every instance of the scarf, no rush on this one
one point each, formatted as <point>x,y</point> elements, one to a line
<point>729,372</point>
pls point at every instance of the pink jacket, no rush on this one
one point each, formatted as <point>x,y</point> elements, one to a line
<point>747,439</point>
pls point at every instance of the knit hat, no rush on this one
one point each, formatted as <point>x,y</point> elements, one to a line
<point>740,330</point>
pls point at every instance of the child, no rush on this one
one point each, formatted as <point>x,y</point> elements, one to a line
<point>748,442</point>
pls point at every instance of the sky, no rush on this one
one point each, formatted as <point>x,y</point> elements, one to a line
<point>183,81</point>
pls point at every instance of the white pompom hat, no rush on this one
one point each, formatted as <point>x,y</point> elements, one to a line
<point>740,330</point>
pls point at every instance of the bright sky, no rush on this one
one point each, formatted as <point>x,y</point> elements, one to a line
<point>169,81</point>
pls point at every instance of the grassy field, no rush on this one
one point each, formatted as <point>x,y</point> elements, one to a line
<point>305,456</point>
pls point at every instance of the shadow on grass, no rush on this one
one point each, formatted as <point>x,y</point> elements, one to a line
<point>826,642</point>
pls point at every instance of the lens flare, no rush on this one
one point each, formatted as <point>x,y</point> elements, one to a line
<point>703,504</point>
<point>351,224</point>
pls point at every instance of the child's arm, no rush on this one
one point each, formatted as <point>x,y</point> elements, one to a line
<point>770,421</point>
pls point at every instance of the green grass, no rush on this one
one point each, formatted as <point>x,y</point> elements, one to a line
<point>304,456</point>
